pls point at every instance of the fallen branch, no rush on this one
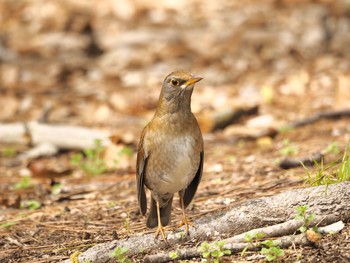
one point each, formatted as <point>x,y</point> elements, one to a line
<point>60,136</point>
<point>320,116</point>
<point>230,116</point>
<point>331,204</point>
<point>237,244</point>
<point>288,163</point>
<point>253,134</point>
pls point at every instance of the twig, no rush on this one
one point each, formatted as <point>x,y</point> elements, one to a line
<point>321,115</point>
<point>288,163</point>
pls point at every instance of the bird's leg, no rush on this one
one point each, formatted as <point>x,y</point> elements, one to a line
<point>160,226</point>
<point>184,218</point>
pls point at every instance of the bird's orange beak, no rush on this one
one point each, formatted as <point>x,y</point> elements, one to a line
<point>193,80</point>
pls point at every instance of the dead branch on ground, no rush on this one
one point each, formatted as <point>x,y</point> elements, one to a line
<point>330,204</point>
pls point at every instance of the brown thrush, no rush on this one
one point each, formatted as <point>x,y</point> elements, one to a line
<point>170,153</point>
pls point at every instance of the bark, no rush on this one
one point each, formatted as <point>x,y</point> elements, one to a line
<point>331,203</point>
<point>236,244</point>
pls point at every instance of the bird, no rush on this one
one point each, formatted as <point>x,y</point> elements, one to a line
<point>170,153</point>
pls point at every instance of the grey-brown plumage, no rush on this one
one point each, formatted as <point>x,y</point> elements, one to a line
<point>170,153</point>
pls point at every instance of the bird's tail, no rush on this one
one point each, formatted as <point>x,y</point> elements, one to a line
<point>165,212</point>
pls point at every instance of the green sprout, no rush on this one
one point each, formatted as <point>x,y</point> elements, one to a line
<point>251,239</point>
<point>288,148</point>
<point>8,152</point>
<point>8,225</point>
<point>30,204</point>
<point>306,217</point>
<point>119,254</point>
<point>272,251</point>
<point>213,252</point>
<point>93,163</point>
<point>24,183</point>
<point>173,255</point>
<point>334,172</point>
<point>333,148</point>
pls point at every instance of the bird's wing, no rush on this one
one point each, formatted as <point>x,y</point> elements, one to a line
<point>141,164</point>
<point>192,188</point>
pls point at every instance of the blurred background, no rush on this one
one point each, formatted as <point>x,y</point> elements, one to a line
<point>99,62</point>
<point>100,65</point>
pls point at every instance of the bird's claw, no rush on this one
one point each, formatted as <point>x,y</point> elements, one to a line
<point>161,231</point>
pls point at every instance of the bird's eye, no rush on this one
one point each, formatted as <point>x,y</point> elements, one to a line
<point>175,82</point>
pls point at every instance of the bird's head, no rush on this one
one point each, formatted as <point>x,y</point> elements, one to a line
<point>177,90</point>
<point>179,81</point>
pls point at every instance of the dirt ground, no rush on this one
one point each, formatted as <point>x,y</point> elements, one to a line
<point>100,64</point>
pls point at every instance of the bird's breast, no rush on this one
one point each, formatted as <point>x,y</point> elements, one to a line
<point>175,165</point>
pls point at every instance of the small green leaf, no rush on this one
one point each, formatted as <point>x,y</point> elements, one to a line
<point>302,229</point>
<point>264,250</point>
<point>227,252</point>
<point>126,151</point>
<point>220,244</point>
<point>31,204</point>
<point>206,254</point>
<point>268,243</point>
<point>8,225</point>
<point>173,255</point>
<point>76,159</point>
<point>333,148</point>
<point>270,257</point>
<point>23,183</point>
<point>216,254</point>
<point>9,152</point>
<point>56,188</point>
<point>280,252</point>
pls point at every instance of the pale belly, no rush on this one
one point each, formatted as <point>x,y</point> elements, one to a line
<point>176,167</point>
<point>177,179</point>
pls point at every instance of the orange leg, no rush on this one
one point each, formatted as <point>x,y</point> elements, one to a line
<point>184,218</point>
<point>160,226</point>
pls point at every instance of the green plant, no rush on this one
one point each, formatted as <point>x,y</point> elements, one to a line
<point>205,249</point>
<point>330,173</point>
<point>119,254</point>
<point>272,251</point>
<point>111,204</point>
<point>251,238</point>
<point>8,152</point>
<point>93,163</point>
<point>344,169</point>
<point>23,183</point>
<point>30,204</point>
<point>288,148</point>
<point>306,217</point>
<point>286,128</point>
<point>181,235</point>
<point>333,148</point>
<point>322,176</point>
<point>173,255</point>
<point>213,252</point>
<point>125,151</point>
<point>8,225</point>
<point>56,188</point>
<point>126,220</point>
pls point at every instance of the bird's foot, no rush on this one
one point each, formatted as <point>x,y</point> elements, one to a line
<point>160,230</point>
<point>185,223</point>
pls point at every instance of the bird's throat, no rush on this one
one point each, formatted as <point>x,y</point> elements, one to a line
<point>180,104</point>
